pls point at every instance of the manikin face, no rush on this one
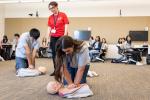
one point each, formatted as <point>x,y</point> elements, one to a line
<point>53,87</point>
<point>56,86</point>
<point>68,50</point>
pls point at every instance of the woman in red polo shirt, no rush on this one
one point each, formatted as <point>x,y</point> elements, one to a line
<point>57,27</point>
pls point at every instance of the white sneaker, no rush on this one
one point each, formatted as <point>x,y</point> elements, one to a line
<point>125,61</point>
<point>99,59</point>
<point>2,58</point>
<point>139,63</point>
<point>90,74</point>
<point>94,73</point>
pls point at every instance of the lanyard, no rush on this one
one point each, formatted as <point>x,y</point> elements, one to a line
<point>55,19</point>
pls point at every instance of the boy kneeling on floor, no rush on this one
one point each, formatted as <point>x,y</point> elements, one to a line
<point>26,50</point>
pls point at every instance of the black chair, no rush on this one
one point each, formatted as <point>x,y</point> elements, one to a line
<point>126,56</point>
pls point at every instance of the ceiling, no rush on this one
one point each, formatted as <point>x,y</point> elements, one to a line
<point>84,2</point>
<point>25,1</point>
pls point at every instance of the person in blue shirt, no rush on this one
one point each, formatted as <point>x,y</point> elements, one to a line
<point>26,49</point>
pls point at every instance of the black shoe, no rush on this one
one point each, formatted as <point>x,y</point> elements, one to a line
<point>52,74</point>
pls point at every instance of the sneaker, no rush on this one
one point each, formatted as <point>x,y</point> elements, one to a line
<point>94,73</point>
<point>90,74</point>
<point>139,63</point>
<point>2,59</point>
<point>99,59</point>
<point>125,61</point>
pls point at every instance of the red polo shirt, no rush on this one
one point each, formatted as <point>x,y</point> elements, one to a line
<point>58,22</point>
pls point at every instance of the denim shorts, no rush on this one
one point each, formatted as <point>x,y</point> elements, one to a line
<point>73,71</point>
<point>21,63</point>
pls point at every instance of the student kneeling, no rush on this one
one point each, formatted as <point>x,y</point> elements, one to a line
<point>26,49</point>
<point>72,61</point>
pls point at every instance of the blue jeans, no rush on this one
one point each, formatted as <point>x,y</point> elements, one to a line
<point>73,72</point>
<point>21,63</point>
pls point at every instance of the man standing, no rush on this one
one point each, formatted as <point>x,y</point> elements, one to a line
<point>26,49</point>
<point>57,27</point>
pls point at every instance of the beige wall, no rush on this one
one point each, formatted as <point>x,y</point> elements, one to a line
<point>16,25</point>
<point>2,24</point>
<point>110,28</point>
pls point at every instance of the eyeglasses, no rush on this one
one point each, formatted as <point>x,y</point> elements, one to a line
<point>51,7</point>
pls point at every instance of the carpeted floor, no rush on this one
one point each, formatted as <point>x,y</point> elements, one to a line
<point>115,82</point>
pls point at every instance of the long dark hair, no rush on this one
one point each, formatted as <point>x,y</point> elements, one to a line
<point>99,39</point>
<point>64,43</point>
<point>128,41</point>
<point>44,41</point>
<point>119,41</point>
<point>104,40</point>
<point>5,39</point>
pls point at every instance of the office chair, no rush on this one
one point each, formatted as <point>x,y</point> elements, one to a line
<point>126,57</point>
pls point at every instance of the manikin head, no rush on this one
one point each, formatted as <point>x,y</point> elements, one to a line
<point>53,87</point>
<point>42,70</point>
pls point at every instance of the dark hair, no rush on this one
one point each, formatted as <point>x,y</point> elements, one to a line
<point>64,43</point>
<point>53,3</point>
<point>104,39</point>
<point>35,33</point>
<point>128,41</point>
<point>123,38</point>
<point>119,42</point>
<point>44,40</point>
<point>99,39</point>
<point>92,37</point>
<point>5,39</point>
<point>16,34</point>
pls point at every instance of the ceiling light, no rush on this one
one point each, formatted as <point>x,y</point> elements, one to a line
<point>24,1</point>
<point>55,0</point>
<point>9,1</point>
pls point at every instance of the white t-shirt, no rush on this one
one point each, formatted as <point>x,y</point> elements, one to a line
<point>80,58</point>
<point>104,46</point>
<point>127,45</point>
<point>14,44</point>
<point>23,40</point>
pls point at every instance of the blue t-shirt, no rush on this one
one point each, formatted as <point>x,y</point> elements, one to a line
<point>25,40</point>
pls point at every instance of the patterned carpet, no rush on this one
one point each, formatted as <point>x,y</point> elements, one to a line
<point>115,82</point>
